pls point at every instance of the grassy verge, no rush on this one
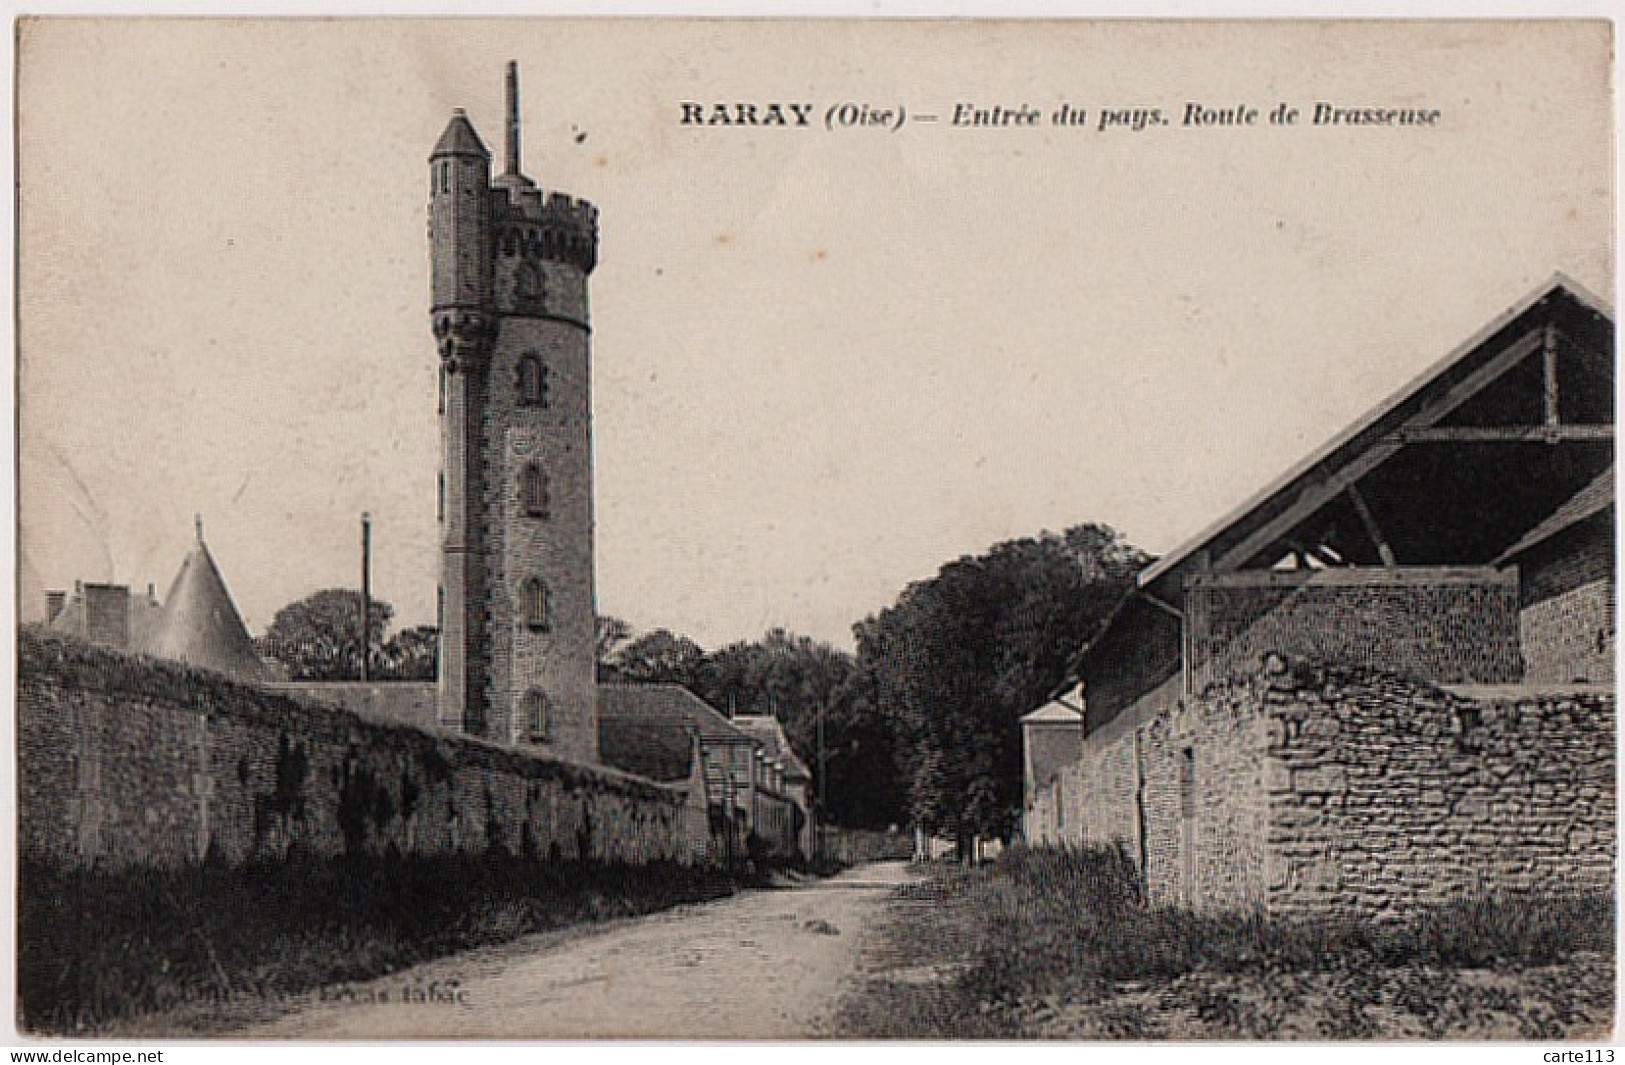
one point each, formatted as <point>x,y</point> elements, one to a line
<point>96,949</point>
<point>1059,944</point>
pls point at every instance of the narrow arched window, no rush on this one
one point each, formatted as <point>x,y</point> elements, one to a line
<point>533,491</point>
<point>532,381</point>
<point>536,715</point>
<point>535,603</point>
<point>528,282</point>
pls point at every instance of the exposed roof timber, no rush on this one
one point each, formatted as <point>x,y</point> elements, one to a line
<point>1502,434</point>
<point>1160,605</point>
<point>1372,529</point>
<point>1311,497</point>
<point>1593,499</point>
<point>1363,463</point>
<point>1369,441</point>
<point>1357,577</point>
<point>1548,376</point>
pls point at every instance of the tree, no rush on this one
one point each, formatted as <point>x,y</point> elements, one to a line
<point>319,637</point>
<point>801,681</point>
<point>411,654</point>
<point>960,657</point>
<point>660,657</point>
<point>612,633</point>
<point>864,782</point>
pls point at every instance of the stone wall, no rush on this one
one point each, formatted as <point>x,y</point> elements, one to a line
<point>1105,789</point>
<point>1386,794</point>
<point>1140,653</point>
<point>403,702</point>
<point>1308,789</point>
<point>126,762</point>
<point>1448,626</point>
<point>1048,748</point>
<point>1043,822</point>
<point>1206,808</point>
<point>1567,605</point>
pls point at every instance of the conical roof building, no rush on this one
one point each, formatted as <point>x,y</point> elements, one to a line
<point>200,624</point>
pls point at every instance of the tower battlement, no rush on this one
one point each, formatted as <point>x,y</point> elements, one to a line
<point>546,225</point>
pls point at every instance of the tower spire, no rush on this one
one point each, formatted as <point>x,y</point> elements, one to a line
<point>512,113</point>
<point>197,520</point>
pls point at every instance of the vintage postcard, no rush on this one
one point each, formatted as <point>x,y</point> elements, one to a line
<point>719,529</point>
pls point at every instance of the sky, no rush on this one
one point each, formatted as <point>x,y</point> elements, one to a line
<point>825,361</point>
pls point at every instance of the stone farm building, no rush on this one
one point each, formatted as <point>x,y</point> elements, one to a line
<point>1387,679</point>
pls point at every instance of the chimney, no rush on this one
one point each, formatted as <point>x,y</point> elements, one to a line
<point>512,117</point>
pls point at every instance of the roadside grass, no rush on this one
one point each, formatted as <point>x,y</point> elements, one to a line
<point>96,949</point>
<point>1060,943</point>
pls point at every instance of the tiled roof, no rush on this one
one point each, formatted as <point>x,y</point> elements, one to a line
<point>669,703</point>
<point>769,732</point>
<point>1053,712</point>
<point>657,750</point>
<point>460,139</point>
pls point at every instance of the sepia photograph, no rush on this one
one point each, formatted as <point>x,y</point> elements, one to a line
<point>735,530</point>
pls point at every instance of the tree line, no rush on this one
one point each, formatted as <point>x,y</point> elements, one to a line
<point>919,725</point>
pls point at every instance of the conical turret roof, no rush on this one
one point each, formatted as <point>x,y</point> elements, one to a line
<point>200,624</point>
<point>459,139</point>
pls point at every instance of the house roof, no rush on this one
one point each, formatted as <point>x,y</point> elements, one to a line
<point>459,138</point>
<point>1054,713</point>
<point>769,732</point>
<point>146,622</point>
<point>145,615</point>
<point>659,750</point>
<point>200,623</point>
<point>670,704</point>
<point>1423,461</point>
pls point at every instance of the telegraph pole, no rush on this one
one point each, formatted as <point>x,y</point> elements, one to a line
<point>818,831</point>
<point>366,596</point>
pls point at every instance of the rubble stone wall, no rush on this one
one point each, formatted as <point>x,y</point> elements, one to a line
<point>126,761</point>
<point>1386,794</point>
<point>1308,789</point>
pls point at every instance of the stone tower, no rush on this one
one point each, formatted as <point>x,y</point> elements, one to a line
<point>510,263</point>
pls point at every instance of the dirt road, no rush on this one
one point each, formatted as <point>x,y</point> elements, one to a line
<point>762,965</point>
